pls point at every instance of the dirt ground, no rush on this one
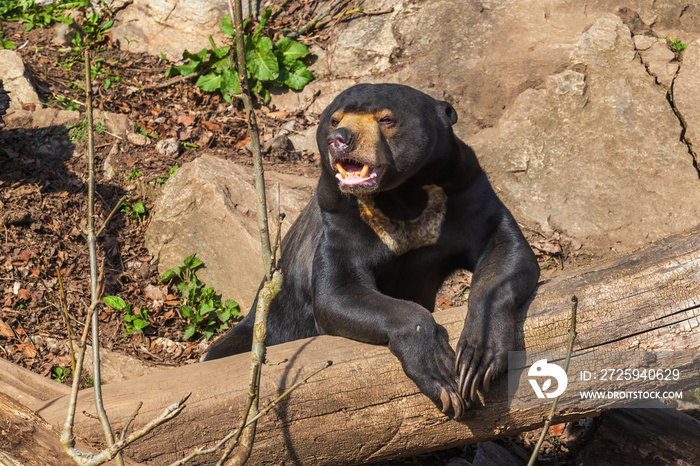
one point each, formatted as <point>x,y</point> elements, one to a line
<point>43,205</point>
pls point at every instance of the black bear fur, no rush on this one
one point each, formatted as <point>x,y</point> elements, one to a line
<point>367,255</point>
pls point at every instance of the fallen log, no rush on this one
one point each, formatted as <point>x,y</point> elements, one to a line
<point>364,409</point>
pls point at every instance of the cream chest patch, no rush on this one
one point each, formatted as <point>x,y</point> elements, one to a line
<point>402,236</point>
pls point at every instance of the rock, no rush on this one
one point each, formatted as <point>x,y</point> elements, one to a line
<point>107,167</point>
<point>137,139</point>
<point>367,47</point>
<point>305,140</point>
<point>169,147</point>
<point>43,117</point>
<point>596,155</point>
<point>489,453</point>
<point>170,27</point>
<point>4,102</point>
<point>686,93</point>
<point>278,143</point>
<point>117,124</point>
<point>64,32</point>
<point>660,61</point>
<point>208,207</point>
<point>16,80</point>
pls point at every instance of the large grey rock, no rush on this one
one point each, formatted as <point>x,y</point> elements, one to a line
<point>597,153</point>
<point>171,26</point>
<point>208,207</point>
<point>478,55</point>
<point>16,80</point>
<point>686,93</point>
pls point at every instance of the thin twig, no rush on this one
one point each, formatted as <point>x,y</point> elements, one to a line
<point>109,217</point>
<point>64,312</point>
<point>131,419</point>
<point>550,417</point>
<point>265,410</point>
<point>92,247</point>
<point>268,292</point>
<point>59,304</point>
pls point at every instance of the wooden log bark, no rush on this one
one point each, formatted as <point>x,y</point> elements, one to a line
<point>643,436</point>
<point>364,409</point>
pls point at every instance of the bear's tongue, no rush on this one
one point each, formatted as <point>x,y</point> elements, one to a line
<point>351,173</point>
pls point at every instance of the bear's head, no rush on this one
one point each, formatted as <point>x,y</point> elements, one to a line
<point>374,137</point>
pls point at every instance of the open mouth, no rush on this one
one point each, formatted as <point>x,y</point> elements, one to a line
<point>353,173</point>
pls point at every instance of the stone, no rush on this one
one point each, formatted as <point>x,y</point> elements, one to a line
<point>107,168</point>
<point>170,26</point>
<point>168,147</point>
<point>16,81</point>
<point>305,140</point>
<point>208,208</point>
<point>117,124</point>
<point>660,62</point>
<point>489,453</point>
<point>366,47</point>
<point>137,139</point>
<point>686,94</point>
<point>596,154</point>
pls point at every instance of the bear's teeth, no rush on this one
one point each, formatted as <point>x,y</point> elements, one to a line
<point>341,170</point>
<point>365,170</point>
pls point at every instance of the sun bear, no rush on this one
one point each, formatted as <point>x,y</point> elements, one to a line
<point>401,203</point>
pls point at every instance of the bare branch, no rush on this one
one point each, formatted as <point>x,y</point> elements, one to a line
<point>548,422</point>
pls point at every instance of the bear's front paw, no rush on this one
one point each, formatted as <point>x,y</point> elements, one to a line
<point>479,362</point>
<point>428,359</point>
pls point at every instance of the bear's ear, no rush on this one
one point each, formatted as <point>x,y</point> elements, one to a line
<point>447,112</point>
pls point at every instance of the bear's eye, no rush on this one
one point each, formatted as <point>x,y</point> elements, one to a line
<point>386,121</point>
<point>334,122</point>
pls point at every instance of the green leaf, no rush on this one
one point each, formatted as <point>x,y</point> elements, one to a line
<point>230,82</point>
<point>209,82</point>
<point>185,70</point>
<point>224,315</point>
<point>169,274</point>
<point>261,25</point>
<point>299,76</point>
<point>205,308</point>
<point>191,262</point>
<point>108,24</point>
<point>290,51</point>
<point>189,332</point>
<point>115,302</point>
<point>262,63</point>
<point>227,26</point>
<point>139,208</point>
<point>139,325</point>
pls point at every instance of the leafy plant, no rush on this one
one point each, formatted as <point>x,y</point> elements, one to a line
<point>59,374</point>
<point>164,178</point>
<point>134,322</point>
<point>279,64</point>
<point>201,305</point>
<point>675,45</point>
<point>33,15</point>
<point>135,173</point>
<point>78,131</point>
<point>4,43</point>
<point>138,129</point>
<point>68,104</point>
<point>135,212</point>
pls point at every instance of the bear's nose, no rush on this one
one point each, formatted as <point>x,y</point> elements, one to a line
<point>340,139</point>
